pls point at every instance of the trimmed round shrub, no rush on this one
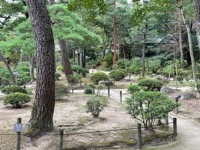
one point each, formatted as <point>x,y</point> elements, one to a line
<point>132,88</point>
<point>151,85</point>
<point>88,90</point>
<point>61,91</point>
<point>57,76</point>
<point>74,79</point>
<point>16,99</point>
<point>118,74</point>
<point>99,76</point>
<point>13,89</point>
<point>95,106</point>
<point>179,78</point>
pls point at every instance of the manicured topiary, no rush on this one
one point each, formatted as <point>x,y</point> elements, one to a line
<point>118,74</point>
<point>61,91</point>
<point>16,99</point>
<point>74,79</point>
<point>151,85</point>
<point>99,76</point>
<point>132,88</point>
<point>13,89</point>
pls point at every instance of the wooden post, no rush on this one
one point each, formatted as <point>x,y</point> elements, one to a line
<point>139,135</point>
<point>166,120</point>
<point>120,96</point>
<point>108,91</point>
<point>19,121</point>
<point>61,139</point>
<point>174,128</point>
<point>72,91</point>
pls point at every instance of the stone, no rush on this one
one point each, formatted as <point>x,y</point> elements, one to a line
<point>167,90</point>
<point>187,96</point>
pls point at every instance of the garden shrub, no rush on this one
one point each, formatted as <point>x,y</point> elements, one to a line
<point>13,89</point>
<point>179,78</point>
<point>57,76</point>
<point>88,90</point>
<point>123,63</point>
<point>61,91</point>
<point>132,88</point>
<point>74,79</point>
<point>77,69</point>
<point>98,76</point>
<point>95,106</point>
<point>108,60</point>
<point>151,84</point>
<point>147,106</point>
<point>59,68</point>
<point>118,74</point>
<point>16,99</point>
<point>5,82</point>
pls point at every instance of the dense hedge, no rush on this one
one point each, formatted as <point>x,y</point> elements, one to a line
<point>151,85</point>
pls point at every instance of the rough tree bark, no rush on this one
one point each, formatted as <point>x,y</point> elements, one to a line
<point>32,64</point>
<point>65,58</point>
<point>197,4</point>
<point>43,108</point>
<point>9,69</point>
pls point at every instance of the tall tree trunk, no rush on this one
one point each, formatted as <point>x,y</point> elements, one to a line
<point>9,69</point>
<point>191,50</point>
<point>180,32</point>
<point>52,2</point>
<point>197,4</point>
<point>43,108</point>
<point>65,58</point>
<point>144,50</point>
<point>32,66</point>
<point>114,39</point>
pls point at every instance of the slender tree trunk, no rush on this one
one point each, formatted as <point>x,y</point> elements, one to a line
<point>197,4</point>
<point>191,50</point>
<point>114,39</point>
<point>180,32</point>
<point>32,66</point>
<point>9,69</point>
<point>144,50</point>
<point>43,107</point>
<point>65,58</point>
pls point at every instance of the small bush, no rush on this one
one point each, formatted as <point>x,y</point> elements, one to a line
<point>151,85</point>
<point>16,99</point>
<point>74,79</point>
<point>179,78</point>
<point>5,82</point>
<point>108,59</point>
<point>59,68</point>
<point>88,90</point>
<point>61,91</point>
<point>94,106</point>
<point>57,76</point>
<point>132,88</point>
<point>13,89</point>
<point>98,76</point>
<point>118,74</point>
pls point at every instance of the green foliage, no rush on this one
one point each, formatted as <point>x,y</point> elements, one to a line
<point>95,106</point>
<point>148,106</point>
<point>179,78</point>
<point>136,66</point>
<point>79,69</point>
<point>132,88</point>
<point>61,91</point>
<point>5,82</point>
<point>4,73</point>
<point>16,99</point>
<point>57,76</point>
<point>98,76</point>
<point>151,84</point>
<point>74,79</point>
<point>89,90</point>
<point>153,64</point>
<point>95,63</point>
<point>59,68</point>
<point>108,59</point>
<point>13,89</point>
<point>123,63</point>
<point>118,74</point>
